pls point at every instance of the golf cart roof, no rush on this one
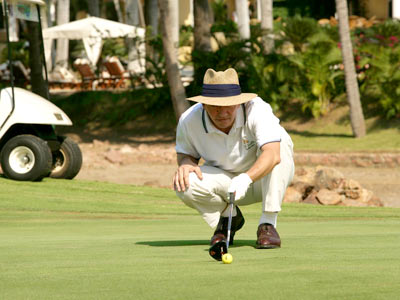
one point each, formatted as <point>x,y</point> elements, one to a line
<point>40,2</point>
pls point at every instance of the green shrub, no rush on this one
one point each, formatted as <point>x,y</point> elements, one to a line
<point>378,66</point>
<point>298,30</point>
<point>269,78</point>
<point>317,69</point>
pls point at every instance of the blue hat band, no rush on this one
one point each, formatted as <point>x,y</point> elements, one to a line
<point>221,90</point>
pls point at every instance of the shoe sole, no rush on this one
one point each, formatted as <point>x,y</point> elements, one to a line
<point>267,246</point>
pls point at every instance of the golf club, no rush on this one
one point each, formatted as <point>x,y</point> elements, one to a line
<point>231,199</point>
<point>220,248</point>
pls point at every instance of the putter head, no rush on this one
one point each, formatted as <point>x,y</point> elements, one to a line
<point>218,249</point>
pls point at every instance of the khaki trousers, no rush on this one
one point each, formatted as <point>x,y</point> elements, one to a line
<point>209,196</point>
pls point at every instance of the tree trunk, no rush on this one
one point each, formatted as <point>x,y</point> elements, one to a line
<point>267,25</point>
<point>151,20</point>
<point>353,93</point>
<point>173,22</point>
<point>132,17</point>
<point>177,91</point>
<point>62,44</point>
<point>151,16</point>
<point>94,8</point>
<point>202,34</point>
<point>118,10</point>
<point>13,29</point>
<point>132,12</point>
<point>35,61</point>
<point>243,18</point>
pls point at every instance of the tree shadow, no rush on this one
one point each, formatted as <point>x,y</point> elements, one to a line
<point>380,123</point>
<point>119,135</point>
<point>314,134</point>
<point>183,243</point>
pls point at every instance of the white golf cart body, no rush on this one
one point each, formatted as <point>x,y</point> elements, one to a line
<point>30,149</point>
<point>29,108</point>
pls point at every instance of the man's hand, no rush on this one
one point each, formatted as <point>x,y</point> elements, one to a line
<point>181,178</point>
<point>239,185</point>
<point>186,164</point>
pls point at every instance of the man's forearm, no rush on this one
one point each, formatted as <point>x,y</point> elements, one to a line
<point>186,159</point>
<point>266,162</point>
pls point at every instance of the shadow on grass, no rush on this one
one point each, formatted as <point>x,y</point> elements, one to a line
<point>314,134</point>
<point>180,243</point>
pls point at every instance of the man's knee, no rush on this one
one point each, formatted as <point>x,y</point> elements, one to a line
<point>212,188</point>
<point>196,191</point>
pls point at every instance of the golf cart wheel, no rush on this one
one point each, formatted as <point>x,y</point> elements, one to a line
<point>67,161</point>
<point>26,157</point>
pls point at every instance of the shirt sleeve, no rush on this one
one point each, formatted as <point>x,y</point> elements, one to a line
<point>184,143</point>
<point>264,124</point>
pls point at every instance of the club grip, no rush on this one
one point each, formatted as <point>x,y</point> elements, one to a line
<point>231,197</point>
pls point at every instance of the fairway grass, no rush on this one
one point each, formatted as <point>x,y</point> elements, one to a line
<point>89,240</point>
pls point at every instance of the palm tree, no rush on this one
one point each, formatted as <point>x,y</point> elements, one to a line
<point>62,44</point>
<point>202,36</point>
<point>94,8</point>
<point>151,16</point>
<point>151,20</point>
<point>133,13</point>
<point>267,25</point>
<point>118,10</point>
<point>174,22</point>
<point>353,93</point>
<point>178,94</point>
<point>243,18</point>
<point>133,16</point>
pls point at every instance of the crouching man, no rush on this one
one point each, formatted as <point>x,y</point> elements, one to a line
<point>245,151</point>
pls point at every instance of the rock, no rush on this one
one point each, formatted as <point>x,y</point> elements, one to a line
<point>352,202</point>
<point>327,197</point>
<point>305,175</point>
<point>353,194</point>
<point>292,195</point>
<point>303,187</point>
<point>375,201</point>
<point>98,143</point>
<point>365,196</point>
<point>126,149</point>
<point>143,147</point>
<point>114,157</point>
<point>327,186</point>
<point>311,198</point>
<point>327,178</point>
<point>350,184</point>
<point>350,188</point>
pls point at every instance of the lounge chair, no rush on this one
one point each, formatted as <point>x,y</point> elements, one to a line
<point>118,74</point>
<point>62,78</point>
<point>21,73</point>
<point>89,78</point>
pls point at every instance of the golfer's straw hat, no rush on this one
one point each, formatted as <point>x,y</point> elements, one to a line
<point>222,89</point>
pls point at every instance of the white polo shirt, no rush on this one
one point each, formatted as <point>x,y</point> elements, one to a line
<point>254,126</point>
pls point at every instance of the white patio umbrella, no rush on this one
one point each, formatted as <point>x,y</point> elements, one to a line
<point>91,31</point>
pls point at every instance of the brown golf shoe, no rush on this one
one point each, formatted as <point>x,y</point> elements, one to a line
<point>267,237</point>
<point>222,228</point>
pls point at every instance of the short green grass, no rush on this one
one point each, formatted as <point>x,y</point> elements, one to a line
<point>333,133</point>
<point>381,140</point>
<point>89,240</point>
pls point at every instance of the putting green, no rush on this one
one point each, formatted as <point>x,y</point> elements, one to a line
<point>86,240</point>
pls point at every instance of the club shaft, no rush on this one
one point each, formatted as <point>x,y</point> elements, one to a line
<point>231,199</point>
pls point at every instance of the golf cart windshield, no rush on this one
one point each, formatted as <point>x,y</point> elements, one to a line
<point>27,10</point>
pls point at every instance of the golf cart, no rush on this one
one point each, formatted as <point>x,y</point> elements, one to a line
<point>30,148</point>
